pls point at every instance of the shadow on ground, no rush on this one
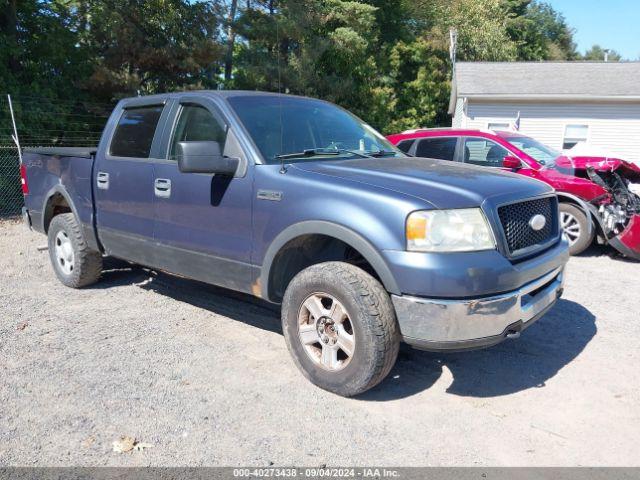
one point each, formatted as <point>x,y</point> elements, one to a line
<point>513,366</point>
<point>596,250</point>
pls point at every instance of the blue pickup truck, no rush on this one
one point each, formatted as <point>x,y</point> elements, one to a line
<point>298,202</point>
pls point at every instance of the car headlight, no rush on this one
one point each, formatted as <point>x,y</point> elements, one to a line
<point>461,230</point>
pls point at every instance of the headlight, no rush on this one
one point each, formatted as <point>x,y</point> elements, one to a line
<point>461,230</point>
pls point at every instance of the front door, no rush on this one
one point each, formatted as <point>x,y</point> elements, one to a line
<point>203,221</point>
<point>484,152</point>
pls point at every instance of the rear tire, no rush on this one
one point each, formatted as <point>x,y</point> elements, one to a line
<point>74,263</point>
<point>576,225</point>
<point>340,328</point>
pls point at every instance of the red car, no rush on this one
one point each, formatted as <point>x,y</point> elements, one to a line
<point>595,192</point>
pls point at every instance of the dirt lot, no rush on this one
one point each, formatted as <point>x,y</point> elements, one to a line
<point>203,375</point>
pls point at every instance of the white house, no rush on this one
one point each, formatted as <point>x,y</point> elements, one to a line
<point>592,108</point>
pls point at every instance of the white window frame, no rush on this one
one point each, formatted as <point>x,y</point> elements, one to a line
<point>505,123</point>
<point>586,140</point>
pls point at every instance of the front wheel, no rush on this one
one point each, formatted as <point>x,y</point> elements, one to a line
<point>340,327</point>
<point>576,226</point>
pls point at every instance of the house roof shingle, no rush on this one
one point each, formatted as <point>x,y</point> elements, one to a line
<point>547,80</point>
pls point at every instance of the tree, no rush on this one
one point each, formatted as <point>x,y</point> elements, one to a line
<point>231,39</point>
<point>311,47</point>
<point>540,32</point>
<point>386,60</point>
<point>150,46</point>
<point>597,54</point>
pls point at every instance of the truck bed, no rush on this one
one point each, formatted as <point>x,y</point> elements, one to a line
<point>66,173</point>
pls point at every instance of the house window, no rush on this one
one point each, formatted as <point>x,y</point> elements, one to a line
<point>575,134</point>
<point>498,126</point>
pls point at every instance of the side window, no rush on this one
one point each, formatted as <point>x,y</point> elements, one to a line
<point>480,151</point>
<point>197,124</point>
<point>405,145</point>
<point>438,148</point>
<point>135,130</point>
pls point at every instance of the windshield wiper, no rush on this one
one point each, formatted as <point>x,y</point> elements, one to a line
<point>381,153</point>
<point>314,152</point>
<point>309,152</point>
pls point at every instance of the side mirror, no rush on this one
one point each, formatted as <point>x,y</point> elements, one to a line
<point>511,162</point>
<point>204,157</point>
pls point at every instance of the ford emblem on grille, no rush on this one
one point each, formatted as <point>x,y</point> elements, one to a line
<point>537,222</point>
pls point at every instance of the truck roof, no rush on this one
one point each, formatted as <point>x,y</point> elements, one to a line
<point>218,93</point>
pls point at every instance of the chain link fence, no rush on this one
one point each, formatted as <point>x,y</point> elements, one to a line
<point>11,199</point>
<point>42,122</point>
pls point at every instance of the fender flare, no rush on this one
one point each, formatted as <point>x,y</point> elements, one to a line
<point>89,232</point>
<point>60,190</point>
<point>344,234</point>
<point>586,208</point>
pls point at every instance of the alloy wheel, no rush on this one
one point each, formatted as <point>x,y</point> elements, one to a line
<point>570,226</point>
<point>326,332</point>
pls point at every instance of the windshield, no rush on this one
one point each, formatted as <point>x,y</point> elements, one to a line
<point>540,152</point>
<point>286,126</point>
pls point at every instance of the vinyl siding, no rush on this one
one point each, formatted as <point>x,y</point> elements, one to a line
<point>614,128</point>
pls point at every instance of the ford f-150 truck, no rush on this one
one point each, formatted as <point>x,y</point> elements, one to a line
<point>296,201</point>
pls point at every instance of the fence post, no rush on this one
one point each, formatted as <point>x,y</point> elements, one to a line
<point>15,138</point>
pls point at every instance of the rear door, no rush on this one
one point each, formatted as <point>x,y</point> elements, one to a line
<point>203,221</point>
<point>124,181</point>
<point>440,148</point>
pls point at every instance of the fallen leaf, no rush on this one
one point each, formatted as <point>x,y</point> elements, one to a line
<point>125,444</point>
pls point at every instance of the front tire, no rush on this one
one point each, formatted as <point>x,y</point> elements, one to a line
<point>576,225</point>
<point>340,328</point>
<point>74,263</point>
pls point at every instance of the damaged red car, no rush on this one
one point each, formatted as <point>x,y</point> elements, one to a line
<point>598,196</point>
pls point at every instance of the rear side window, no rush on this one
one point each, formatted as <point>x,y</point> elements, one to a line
<point>135,130</point>
<point>405,145</point>
<point>438,148</point>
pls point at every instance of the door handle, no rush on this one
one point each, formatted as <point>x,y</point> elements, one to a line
<point>162,187</point>
<point>102,180</point>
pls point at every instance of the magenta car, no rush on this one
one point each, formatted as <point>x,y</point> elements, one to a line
<point>595,193</point>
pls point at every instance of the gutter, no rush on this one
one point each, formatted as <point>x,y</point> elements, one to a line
<point>551,97</point>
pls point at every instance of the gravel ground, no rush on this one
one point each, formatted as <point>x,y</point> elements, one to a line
<point>204,376</point>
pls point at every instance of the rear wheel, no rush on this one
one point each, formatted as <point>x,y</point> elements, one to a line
<point>340,327</point>
<point>576,226</point>
<point>74,263</point>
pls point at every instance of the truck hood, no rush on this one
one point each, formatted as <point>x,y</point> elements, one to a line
<point>443,184</point>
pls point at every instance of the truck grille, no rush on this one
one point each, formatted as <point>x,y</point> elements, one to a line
<point>515,220</point>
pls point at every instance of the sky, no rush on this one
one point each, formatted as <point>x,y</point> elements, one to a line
<point>610,23</point>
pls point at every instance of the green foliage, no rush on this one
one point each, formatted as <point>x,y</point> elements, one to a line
<point>386,60</point>
<point>540,32</point>
<point>597,54</point>
<point>148,46</point>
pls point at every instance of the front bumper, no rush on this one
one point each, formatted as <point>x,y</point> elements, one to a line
<point>628,242</point>
<point>433,324</point>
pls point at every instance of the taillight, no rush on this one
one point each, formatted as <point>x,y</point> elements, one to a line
<point>23,180</point>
